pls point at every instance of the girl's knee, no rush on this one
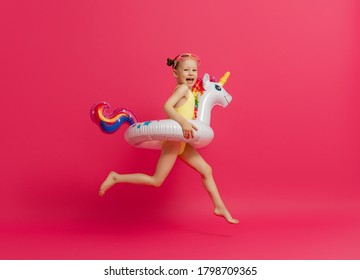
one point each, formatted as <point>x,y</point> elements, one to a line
<point>207,170</point>
<point>157,182</point>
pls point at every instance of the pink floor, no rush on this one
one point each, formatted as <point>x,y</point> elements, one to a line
<point>304,230</point>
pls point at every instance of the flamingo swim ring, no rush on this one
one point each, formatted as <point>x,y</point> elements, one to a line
<point>151,134</point>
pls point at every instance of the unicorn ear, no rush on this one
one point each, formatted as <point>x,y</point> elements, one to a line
<point>206,78</point>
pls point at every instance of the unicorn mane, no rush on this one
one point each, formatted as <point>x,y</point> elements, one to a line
<point>198,88</point>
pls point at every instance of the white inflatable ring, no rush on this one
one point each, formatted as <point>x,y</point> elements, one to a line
<point>152,134</point>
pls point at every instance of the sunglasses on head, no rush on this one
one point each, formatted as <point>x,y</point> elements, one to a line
<point>185,56</point>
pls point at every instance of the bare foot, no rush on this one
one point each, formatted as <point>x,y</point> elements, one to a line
<point>107,184</point>
<point>223,212</point>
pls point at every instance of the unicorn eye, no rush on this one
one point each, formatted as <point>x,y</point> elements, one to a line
<point>218,88</point>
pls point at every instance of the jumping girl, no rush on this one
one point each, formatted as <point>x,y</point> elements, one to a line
<point>179,107</point>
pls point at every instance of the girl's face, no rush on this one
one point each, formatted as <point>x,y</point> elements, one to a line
<point>186,72</point>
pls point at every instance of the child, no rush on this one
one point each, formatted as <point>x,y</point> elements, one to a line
<point>179,107</point>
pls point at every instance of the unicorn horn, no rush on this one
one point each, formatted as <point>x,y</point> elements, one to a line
<point>224,78</point>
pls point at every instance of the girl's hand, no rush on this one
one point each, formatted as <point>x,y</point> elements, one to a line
<point>188,130</point>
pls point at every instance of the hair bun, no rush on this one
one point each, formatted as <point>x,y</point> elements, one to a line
<point>170,62</point>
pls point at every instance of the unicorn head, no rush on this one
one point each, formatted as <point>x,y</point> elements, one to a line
<point>213,94</point>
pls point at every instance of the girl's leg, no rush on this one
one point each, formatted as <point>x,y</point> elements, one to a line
<point>196,161</point>
<point>164,165</point>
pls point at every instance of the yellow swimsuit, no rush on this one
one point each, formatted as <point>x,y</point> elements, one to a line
<point>187,111</point>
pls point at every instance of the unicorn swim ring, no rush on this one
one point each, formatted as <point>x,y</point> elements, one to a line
<point>152,134</point>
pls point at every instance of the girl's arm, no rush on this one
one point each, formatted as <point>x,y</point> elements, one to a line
<point>169,107</point>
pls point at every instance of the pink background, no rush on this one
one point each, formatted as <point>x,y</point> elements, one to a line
<point>285,154</point>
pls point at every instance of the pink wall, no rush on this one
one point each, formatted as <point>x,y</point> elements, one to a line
<point>289,141</point>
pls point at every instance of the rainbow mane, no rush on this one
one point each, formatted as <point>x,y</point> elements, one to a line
<point>108,121</point>
<point>198,88</point>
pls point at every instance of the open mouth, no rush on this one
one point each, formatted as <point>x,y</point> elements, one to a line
<point>190,80</point>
